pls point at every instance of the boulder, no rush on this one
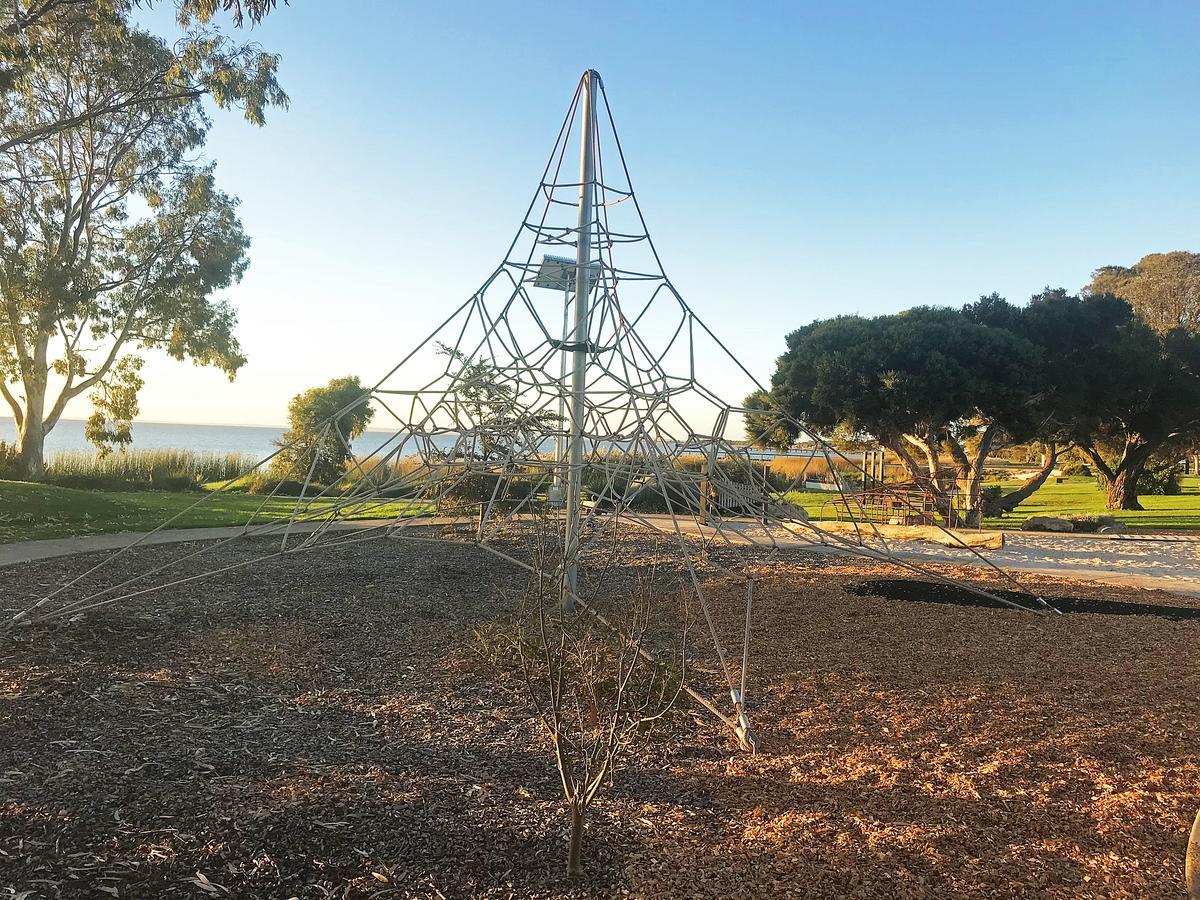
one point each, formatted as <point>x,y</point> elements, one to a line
<point>1114,528</point>
<point>1047,523</point>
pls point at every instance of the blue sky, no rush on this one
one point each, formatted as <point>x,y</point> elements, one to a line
<point>794,162</point>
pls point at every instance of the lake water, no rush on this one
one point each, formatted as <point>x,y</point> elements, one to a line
<point>252,440</point>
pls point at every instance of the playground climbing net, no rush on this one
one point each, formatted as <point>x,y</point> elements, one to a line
<point>590,410</point>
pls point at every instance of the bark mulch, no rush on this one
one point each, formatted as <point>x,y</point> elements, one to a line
<point>321,726</point>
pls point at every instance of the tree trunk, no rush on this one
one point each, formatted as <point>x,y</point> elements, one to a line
<point>1120,482</point>
<point>968,475</point>
<point>575,853</point>
<point>31,438</point>
<point>1121,490</point>
<point>1013,499</point>
<point>929,476</point>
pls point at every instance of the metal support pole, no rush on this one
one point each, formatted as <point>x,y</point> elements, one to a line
<point>560,440</point>
<point>583,253</point>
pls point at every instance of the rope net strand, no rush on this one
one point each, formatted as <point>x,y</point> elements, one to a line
<point>478,423</point>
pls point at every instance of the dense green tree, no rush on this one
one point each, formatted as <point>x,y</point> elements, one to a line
<point>767,429</point>
<point>322,424</point>
<point>1163,288</point>
<point>934,387</point>
<point>113,237</point>
<point>1120,391</point>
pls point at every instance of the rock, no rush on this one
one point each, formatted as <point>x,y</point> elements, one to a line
<point>1046,523</point>
<point>1114,528</point>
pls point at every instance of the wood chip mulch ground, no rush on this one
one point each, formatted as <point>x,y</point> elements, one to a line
<point>321,726</point>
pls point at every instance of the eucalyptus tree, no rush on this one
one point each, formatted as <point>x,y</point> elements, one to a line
<point>202,60</point>
<point>114,237</point>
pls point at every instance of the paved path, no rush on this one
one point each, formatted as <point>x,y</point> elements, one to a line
<point>1169,563</point>
<point>28,551</point>
<point>1172,565</point>
<point>1130,560</point>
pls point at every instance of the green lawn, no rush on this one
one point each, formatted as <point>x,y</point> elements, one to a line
<point>31,511</point>
<point>1079,496</point>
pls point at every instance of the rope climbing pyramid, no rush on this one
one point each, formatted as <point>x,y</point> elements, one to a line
<point>572,390</point>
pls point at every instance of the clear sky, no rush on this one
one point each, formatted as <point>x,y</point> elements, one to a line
<point>794,162</point>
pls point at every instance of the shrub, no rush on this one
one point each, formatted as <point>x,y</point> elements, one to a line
<point>8,460</point>
<point>1076,468</point>
<point>1161,479</point>
<point>991,495</point>
<point>474,488</point>
<point>1091,524</point>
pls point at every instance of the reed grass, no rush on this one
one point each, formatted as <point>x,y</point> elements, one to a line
<point>165,470</point>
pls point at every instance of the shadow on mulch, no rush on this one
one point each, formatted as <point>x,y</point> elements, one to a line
<point>918,591</point>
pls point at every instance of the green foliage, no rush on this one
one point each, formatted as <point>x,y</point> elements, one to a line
<point>202,61</point>
<point>1109,377</point>
<point>203,11</point>
<point>1091,524</point>
<point>1163,288</point>
<point>1122,392</point>
<point>766,429</point>
<point>115,406</point>
<point>9,458</point>
<point>1077,468</point>
<point>991,494</point>
<point>904,374</point>
<point>1082,370</point>
<point>506,488</point>
<point>502,427</point>
<point>322,424</point>
<point>1160,479</point>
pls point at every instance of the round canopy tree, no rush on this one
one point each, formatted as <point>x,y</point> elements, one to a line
<point>1121,391</point>
<point>322,423</point>
<point>929,384</point>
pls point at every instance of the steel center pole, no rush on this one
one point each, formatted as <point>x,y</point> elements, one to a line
<point>579,340</point>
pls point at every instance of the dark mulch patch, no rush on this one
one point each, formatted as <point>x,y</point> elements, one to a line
<point>319,726</point>
<point>919,591</point>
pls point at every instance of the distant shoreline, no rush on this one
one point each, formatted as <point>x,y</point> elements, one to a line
<point>252,440</point>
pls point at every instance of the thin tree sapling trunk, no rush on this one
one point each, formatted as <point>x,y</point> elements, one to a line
<point>575,848</point>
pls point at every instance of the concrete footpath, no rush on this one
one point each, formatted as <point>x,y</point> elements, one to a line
<point>30,551</point>
<point>1150,562</point>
